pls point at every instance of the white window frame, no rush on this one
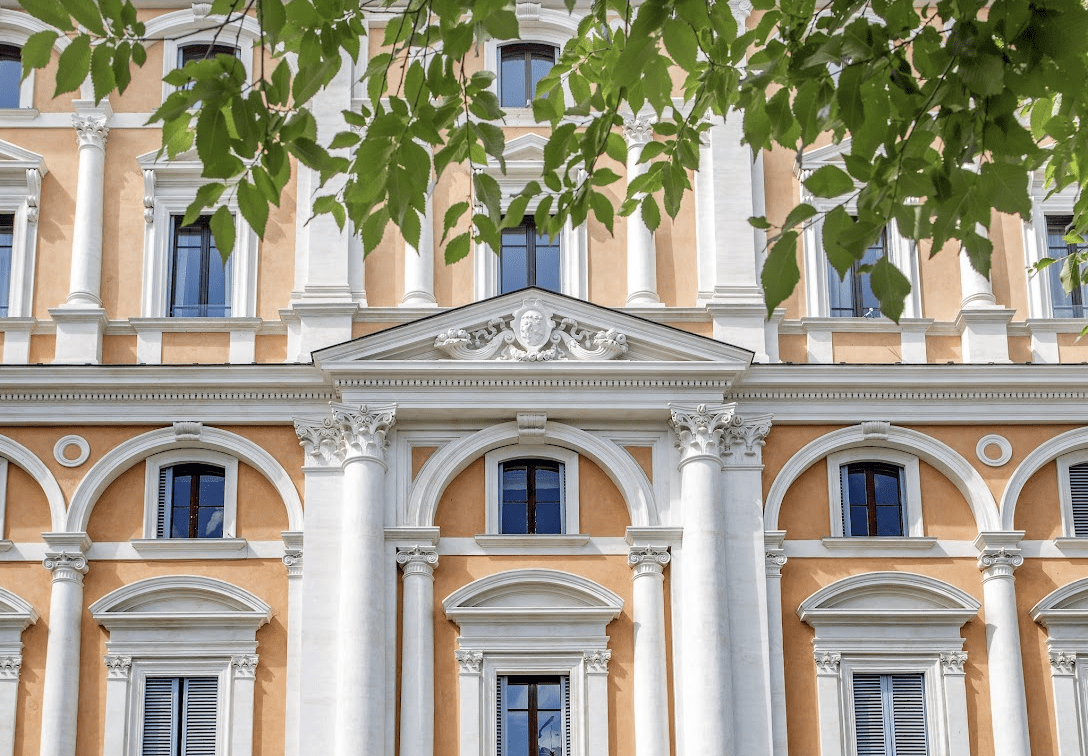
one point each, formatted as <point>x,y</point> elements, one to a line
<point>524,158</point>
<point>910,490</point>
<point>21,173</point>
<point>16,615</point>
<point>493,488</point>
<point>168,626</point>
<point>190,548</point>
<point>1065,493</point>
<point>1040,302</point>
<point>571,666</point>
<point>890,623</point>
<point>15,29</point>
<point>184,27</point>
<point>1062,613</point>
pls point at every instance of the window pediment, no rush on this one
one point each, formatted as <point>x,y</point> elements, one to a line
<point>182,597</point>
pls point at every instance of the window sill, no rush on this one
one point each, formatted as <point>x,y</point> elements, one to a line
<point>6,545</point>
<point>18,114</point>
<point>1068,545</point>
<point>564,541</point>
<point>913,543</point>
<point>191,548</point>
<point>185,325</point>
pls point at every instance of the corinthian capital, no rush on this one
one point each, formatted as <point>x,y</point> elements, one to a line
<point>91,130</point>
<point>744,437</point>
<point>320,440</point>
<point>700,428</point>
<point>637,130</point>
<point>363,429</point>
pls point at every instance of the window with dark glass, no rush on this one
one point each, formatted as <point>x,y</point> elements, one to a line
<point>7,236</point>
<point>191,501</point>
<point>528,258</point>
<point>890,715</point>
<point>520,68</point>
<point>852,297</point>
<point>200,282</point>
<point>533,716</point>
<point>190,53</point>
<point>532,497</point>
<point>1071,304</point>
<point>872,499</point>
<point>180,716</point>
<point>11,74</point>
<point>1078,495</point>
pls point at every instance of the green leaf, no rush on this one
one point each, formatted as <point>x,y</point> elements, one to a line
<point>87,14</point>
<point>501,24</point>
<point>222,224</point>
<point>49,11</point>
<point>374,230</point>
<point>602,209</point>
<point>759,221</point>
<point>1009,184</point>
<point>780,271</point>
<point>206,196</point>
<point>272,15</point>
<point>458,248</point>
<point>37,51</point>
<point>344,139</point>
<point>890,286</point>
<point>488,193</point>
<point>680,43</point>
<point>254,207</point>
<point>453,215</point>
<point>799,214</point>
<point>829,181</point>
<point>102,77</point>
<point>651,215</point>
<point>73,65</point>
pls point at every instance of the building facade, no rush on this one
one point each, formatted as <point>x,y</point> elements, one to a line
<point>575,496</point>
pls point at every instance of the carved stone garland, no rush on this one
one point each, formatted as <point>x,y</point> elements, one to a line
<point>530,334</point>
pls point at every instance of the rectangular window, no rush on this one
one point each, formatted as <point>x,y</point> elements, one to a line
<point>11,74</point>
<point>532,497</point>
<point>180,716</point>
<point>853,296</point>
<point>890,715</point>
<point>1078,490</point>
<point>7,240</point>
<point>191,501</point>
<point>200,283</point>
<point>533,716</point>
<point>1064,305</point>
<point>528,259</point>
<point>872,499</point>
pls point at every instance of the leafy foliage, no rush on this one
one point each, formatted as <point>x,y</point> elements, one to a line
<point>946,107</point>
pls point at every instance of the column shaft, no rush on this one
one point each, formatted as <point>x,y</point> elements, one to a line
<point>417,656</point>
<point>419,264</point>
<point>641,251</point>
<point>651,677</point>
<point>776,558</point>
<point>85,288</point>
<point>292,560</point>
<point>60,693</point>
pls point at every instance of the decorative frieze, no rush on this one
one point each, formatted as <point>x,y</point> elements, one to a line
<point>417,560</point>
<point>530,334</point>
<point>597,661</point>
<point>827,662</point>
<point>118,667</point>
<point>65,566</point>
<point>244,666</point>
<point>91,130</point>
<point>9,666</point>
<point>470,662</point>
<point>648,560</point>
<point>699,429</point>
<point>1063,663</point>
<point>952,662</point>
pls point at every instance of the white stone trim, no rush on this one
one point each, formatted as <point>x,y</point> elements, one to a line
<point>1003,445</point>
<point>886,436</point>
<point>21,173</point>
<point>155,463</point>
<point>1061,445</point>
<point>29,461</point>
<point>493,486</point>
<point>77,441</point>
<point>1062,612</point>
<point>910,493</point>
<point>15,29</point>
<point>15,616</point>
<point>131,452</point>
<point>169,187</point>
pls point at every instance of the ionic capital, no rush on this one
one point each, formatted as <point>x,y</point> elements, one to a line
<point>9,666</point>
<point>1063,663</point>
<point>470,662</point>
<point>638,131</point>
<point>91,130</point>
<point>999,553</point>
<point>66,566</point>
<point>597,661</point>
<point>699,429</point>
<point>117,667</point>
<point>648,560</point>
<point>363,429</point>
<point>292,560</point>
<point>741,10</point>
<point>952,662</point>
<point>417,561</point>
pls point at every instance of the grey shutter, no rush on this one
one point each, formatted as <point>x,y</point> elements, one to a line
<point>160,707</point>
<point>869,716</point>
<point>565,682</point>
<point>844,499</point>
<point>500,714</point>
<point>162,515</point>
<point>199,718</point>
<point>1078,490</point>
<point>909,715</point>
<point>562,498</point>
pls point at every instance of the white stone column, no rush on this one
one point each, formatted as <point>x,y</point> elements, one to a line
<point>651,675</point>
<point>596,663</point>
<point>982,321</point>
<point>118,677</point>
<point>641,250</point>
<point>470,680</point>
<point>999,556</point>
<point>707,678</point>
<point>744,561</point>
<point>419,263</point>
<point>417,655</point>
<point>955,696</point>
<point>1063,677</point>
<point>829,700</point>
<point>292,560</point>
<point>775,556</point>
<point>81,319</point>
<point>361,704</point>
<point>60,693</point>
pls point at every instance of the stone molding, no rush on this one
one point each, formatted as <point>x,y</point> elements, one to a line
<point>292,560</point>
<point>118,667</point>
<point>827,662</point>
<point>597,661</point>
<point>188,430</point>
<point>9,666</point>
<point>346,434</point>
<point>648,560</point>
<point>952,662</point>
<point>776,559</point>
<point>715,430</point>
<point>66,566</point>
<point>244,666</point>
<point>750,432</point>
<point>417,561</point>
<point>637,130</point>
<point>91,130</point>
<point>1063,663</point>
<point>470,662</point>
<point>1000,562</point>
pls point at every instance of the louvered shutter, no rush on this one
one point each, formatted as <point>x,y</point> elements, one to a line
<point>199,716</point>
<point>909,715</point>
<point>162,515</point>
<point>1078,489</point>
<point>500,715</point>
<point>160,725</point>
<point>565,682</point>
<point>869,716</point>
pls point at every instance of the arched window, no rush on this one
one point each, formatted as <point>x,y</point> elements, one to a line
<point>874,493</point>
<point>191,501</point>
<point>521,67</point>
<point>11,72</point>
<point>532,497</point>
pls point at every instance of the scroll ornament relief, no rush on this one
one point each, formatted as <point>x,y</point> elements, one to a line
<point>530,334</point>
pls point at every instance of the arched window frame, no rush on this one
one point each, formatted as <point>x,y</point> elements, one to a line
<point>911,492</point>
<point>16,28</point>
<point>493,492</point>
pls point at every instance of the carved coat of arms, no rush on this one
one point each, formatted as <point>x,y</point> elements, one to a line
<point>531,334</point>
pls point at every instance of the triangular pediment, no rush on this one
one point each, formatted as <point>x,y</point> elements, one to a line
<point>14,157</point>
<point>533,326</point>
<point>830,154</point>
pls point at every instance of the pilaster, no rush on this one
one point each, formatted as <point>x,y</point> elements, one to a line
<point>292,560</point>
<point>774,556</point>
<point>648,561</point>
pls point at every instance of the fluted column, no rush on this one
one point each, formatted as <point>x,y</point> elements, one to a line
<point>360,722</point>
<point>419,263</point>
<point>999,556</point>
<point>417,655</point>
<point>651,679</point>
<point>60,693</point>
<point>641,252</point>
<point>744,561</point>
<point>707,678</point>
<point>775,557</point>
